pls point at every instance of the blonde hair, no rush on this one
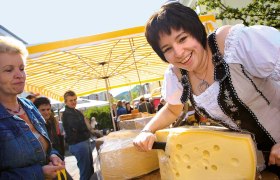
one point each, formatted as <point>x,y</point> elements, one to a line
<point>13,46</point>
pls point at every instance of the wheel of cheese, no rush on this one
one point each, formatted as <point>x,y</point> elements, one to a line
<point>206,153</point>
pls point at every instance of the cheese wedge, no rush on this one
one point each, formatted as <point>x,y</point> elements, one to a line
<point>203,153</point>
<point>119,159</point>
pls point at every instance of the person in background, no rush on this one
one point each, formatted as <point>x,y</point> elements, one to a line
<point>153,108</point>
<point>93,128</point>
<point>123,102</point>
<point>128,108</point>
<point>161,104</point>
<point>31,97</point>
<point>93,123</point>
<point>25,147</point>
<point>77,135</point>
<point>43,104</point>
<point>120,109</point>
<point>136,105</point>
<point>231,77</point>
<point>145,106</point>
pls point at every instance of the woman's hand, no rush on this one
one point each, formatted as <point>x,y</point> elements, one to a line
<point>50,171</point>
<point>55,165</point>
<point>144,141</point>
<point>56,161</point>
<point>274,157</point>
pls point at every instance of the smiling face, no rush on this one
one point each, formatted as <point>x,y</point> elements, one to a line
<point>45,110</point>
<point>12,74</point>
<point>71,101</point>
<point>181,49</point>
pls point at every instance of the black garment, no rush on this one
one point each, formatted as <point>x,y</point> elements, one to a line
<point>160,106</point>
<point>54,136</point>
<point>145,107</point>
<point>129,111</point>
<point>74,125</point>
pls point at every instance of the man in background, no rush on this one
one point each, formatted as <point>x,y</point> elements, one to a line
<point>161,104</point>
<point>77,135</point>
<point>145,106</point>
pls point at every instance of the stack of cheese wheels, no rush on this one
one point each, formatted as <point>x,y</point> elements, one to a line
<point>206,153</point>
<point>119,159</point>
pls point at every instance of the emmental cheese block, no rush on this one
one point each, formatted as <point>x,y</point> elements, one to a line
<point>203,153</point>
<point>119,159</point>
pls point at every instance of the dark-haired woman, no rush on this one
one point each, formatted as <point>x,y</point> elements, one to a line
<point>230,76</point>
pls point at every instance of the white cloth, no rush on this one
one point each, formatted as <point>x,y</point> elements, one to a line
<point>172,88</point>
<point>257,48</point>
<point>93,122</point>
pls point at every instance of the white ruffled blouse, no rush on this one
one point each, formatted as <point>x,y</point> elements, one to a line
<point>257,48</point>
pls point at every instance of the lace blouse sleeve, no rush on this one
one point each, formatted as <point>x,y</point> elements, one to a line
<point>171,89</point>
<point>257,48</point>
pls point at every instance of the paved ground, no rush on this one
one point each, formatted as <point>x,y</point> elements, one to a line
<point>72,168</point>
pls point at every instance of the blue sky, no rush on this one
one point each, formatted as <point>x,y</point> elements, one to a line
<point>37,21</point>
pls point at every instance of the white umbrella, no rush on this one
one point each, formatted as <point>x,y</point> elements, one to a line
<point>83,104</point>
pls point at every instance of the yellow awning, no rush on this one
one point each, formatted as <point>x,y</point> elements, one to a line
<point>85,64</point>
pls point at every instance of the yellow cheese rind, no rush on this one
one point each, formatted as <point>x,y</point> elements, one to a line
<point>198,153</point>
<point>119,159</point>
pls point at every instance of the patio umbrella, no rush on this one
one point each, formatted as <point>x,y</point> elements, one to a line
<point>93,64</point>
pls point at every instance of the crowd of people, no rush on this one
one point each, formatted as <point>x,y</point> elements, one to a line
<point>144,106</point>
<point>230,77</point>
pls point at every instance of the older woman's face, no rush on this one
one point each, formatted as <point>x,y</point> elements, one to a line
<point>12,74</point>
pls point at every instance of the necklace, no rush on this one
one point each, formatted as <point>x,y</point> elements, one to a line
<point>203,84</point>
<point>16,111</point>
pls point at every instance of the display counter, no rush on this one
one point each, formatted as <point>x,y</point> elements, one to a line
<point>137,123</point>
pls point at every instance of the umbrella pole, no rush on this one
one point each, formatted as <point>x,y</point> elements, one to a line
<point>110,104</point>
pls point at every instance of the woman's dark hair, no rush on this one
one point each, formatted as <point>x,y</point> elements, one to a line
<point>174,16</point>
<point>41,100</point>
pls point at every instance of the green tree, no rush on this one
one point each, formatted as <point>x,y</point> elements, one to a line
<point>102,115</point>
<point>264,12</point>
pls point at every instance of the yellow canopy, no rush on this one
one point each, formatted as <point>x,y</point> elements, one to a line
<point>93,64</point>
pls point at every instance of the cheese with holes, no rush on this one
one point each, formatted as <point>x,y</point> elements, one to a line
<point>206,153</point>
<point>119,159</point>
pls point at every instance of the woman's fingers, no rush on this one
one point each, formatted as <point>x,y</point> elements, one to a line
<point>144,141</point>
<point>274,157</point>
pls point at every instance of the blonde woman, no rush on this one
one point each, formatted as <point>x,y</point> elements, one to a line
<point>25,151</point>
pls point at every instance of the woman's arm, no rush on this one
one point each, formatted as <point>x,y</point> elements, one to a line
<point>28,172</point>
<point>167,115</point>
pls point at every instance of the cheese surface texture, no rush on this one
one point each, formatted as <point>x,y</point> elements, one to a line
<point>119,159</point>
<point>201,153</point>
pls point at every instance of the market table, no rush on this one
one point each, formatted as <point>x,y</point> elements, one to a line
<point>137,123</point>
